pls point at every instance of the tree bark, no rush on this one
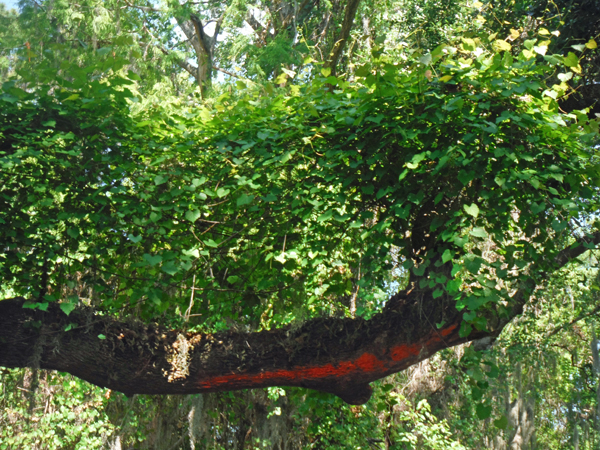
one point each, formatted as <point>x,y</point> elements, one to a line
<point>340,356</point>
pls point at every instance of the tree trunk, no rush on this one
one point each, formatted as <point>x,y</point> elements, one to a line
<point>204,47</point>
<point>596,370</point>
<point>340,41</point>
<point>521,417</point>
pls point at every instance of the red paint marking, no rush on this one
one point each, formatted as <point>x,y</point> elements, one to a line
<point>402,352</point>
<point>446,331</point>
<point>370,363</point>
<point>366,363</point>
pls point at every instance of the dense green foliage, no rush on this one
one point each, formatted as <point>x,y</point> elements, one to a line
<point>175,190</point>
<point>290,194</point>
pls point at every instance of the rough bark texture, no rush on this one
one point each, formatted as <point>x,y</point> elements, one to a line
<point>340,356</point>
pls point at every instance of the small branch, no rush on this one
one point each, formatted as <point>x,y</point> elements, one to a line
<point>563,258</point>
<point>189,310</point>
<point>231,74</point>
<point>142,8</point>
<point>576,319</point>
<point>193,71</point>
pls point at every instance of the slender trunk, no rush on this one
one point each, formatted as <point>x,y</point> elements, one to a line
<point>596,368</point>
<point>341,39</point>
<point>521,416</point>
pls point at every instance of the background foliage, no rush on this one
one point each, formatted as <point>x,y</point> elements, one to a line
<point>180,186</point>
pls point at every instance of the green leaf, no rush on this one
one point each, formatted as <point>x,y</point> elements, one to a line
<point>153,260</point>
<point>192,215</point>
<point>501,46</point>
<point>414,163</point>
<point>559,225</point>
<point>222,192</point>
<point>473,265</point>
<point>478,232</point>
<point>368,189</point>
<point>325,216</point>
<point>42,306</point>
<point>472,210</point>
<point>101,336</point>
<point>170,268</point>
<point>564,77</point>
<point>491,128</point>
<point>469,44</point>
<point>134,239</point>
<point>483,411</point>
<point>244,199</point>
<point>453,286</point>
<point>501,422</point>
<point>211,243</point>
<point>9,98</point>
<point>571,60</point>
<point>419,271</point>
<point>447,255</point>
<point>233,279</point>
<point>537,208</point>
<point>67,307</point>
<point>198,181</point>
<point>469,316</point>
<point>465,329</point>
<point>159,179</point>
<point>426,59</point>
<point>465,177</point>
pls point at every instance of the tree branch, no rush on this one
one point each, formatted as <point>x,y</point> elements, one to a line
<point>563,258</point>
<point>142,8</point>
<point>577,249</point>
<point>200,33</point>
<point>339,356</point>
<point>193,71</point>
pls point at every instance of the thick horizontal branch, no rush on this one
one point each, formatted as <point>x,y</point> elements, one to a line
<point>340,356</point>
